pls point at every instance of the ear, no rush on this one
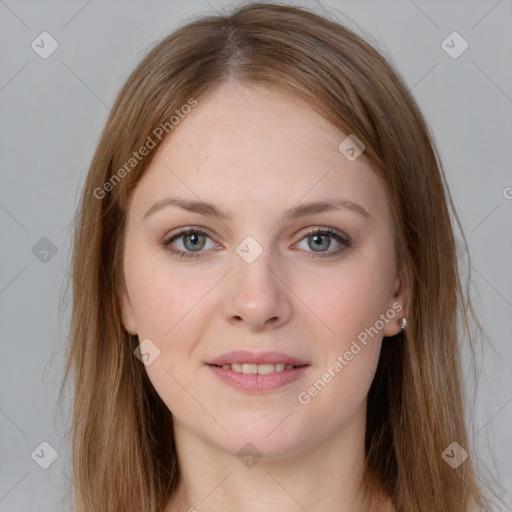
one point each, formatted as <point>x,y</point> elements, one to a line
<point>128,315</point>
<point>397,304</point>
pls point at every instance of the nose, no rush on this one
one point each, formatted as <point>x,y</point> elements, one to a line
<point>257,295</point>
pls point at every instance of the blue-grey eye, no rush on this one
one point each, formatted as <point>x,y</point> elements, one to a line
<point>194,241</point>
<point>319,242</point>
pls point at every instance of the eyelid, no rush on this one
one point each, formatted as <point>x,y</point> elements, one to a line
<point>326,230</point>
<point>183,231</point>
<point>171,237</point>
<point>343,239</point>
<point>306,231</point>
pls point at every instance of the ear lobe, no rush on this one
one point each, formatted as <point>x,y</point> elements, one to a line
<point>398,305</point>
<point>128,315</point>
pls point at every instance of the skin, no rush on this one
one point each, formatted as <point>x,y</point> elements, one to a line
<point>249,149</point>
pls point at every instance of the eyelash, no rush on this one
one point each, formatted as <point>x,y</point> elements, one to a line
<point>344,240</point>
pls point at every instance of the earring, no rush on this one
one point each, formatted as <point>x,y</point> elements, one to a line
<point>402,323</point>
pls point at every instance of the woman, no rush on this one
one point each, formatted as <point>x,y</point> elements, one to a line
<point>265,283</point>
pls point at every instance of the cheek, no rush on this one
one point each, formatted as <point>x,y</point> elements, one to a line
<point>350,299</point>
<point>350,302</point>
<point>161,295</point>
<point>166,304</point>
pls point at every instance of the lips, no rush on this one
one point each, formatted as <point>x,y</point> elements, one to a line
<point>258,372</point>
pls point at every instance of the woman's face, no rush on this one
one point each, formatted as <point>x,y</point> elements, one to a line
<point>260,330</point>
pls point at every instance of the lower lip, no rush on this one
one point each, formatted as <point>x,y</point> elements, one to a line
<point>258,383</point>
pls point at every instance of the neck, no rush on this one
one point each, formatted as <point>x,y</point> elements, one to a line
<point>325,476</point>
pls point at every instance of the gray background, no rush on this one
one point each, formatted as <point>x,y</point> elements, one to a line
<point>53,110</point>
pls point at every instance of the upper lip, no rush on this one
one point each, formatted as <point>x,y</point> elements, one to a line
<point>245,356</point>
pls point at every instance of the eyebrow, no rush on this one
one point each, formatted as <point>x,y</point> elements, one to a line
<point>212,210</point>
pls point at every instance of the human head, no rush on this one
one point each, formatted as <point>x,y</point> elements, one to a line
<point>346,82</point>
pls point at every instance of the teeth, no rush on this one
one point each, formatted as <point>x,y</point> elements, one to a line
<point>261,369</point>
<point>249,368</point>
<point>264,369</point>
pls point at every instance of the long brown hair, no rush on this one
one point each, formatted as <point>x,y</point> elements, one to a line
<point>123,454</point>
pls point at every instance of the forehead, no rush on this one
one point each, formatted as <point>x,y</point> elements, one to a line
<point>252,145</point>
